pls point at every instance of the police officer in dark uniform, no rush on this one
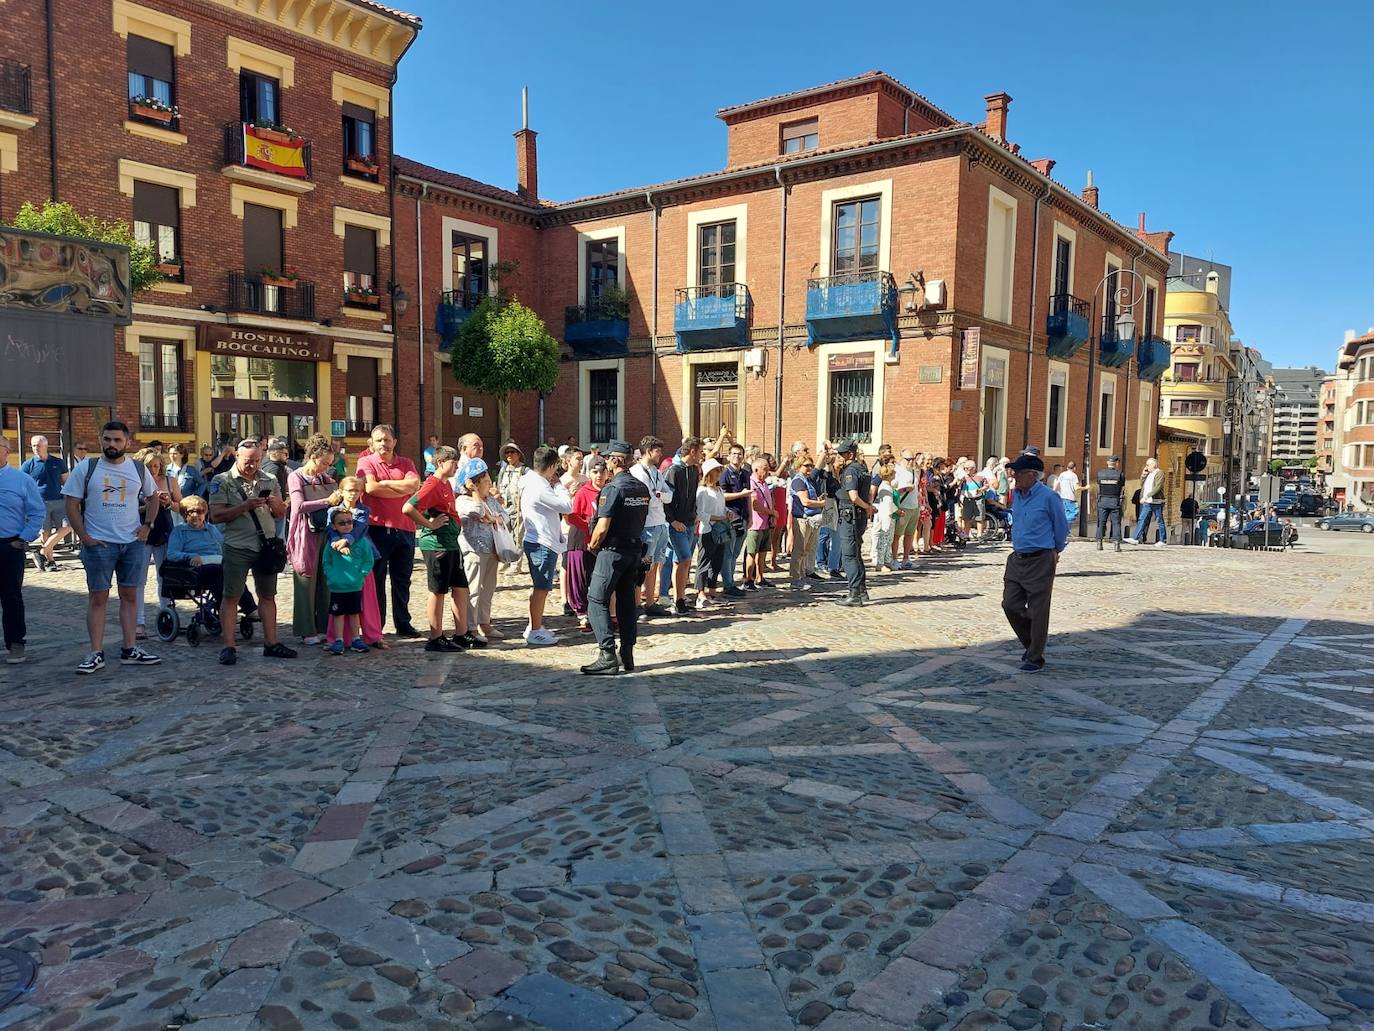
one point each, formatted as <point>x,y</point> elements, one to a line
<point>621,510</point>
<point>853,512</point>
<point>1110,482</point>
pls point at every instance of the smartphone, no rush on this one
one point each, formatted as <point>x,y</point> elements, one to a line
<point>265,493</point>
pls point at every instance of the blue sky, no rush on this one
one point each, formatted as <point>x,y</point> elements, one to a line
<point>1242,125</point>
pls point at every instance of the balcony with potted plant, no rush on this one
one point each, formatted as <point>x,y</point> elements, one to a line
<point>357,295</point>
<point>267,291</point>
<point>267,154</point>
<point>152,111</point>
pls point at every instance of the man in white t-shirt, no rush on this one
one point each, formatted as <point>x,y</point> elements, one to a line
<point>1068,489</point>
<point>103,496</point>
<point>655,535</point>
<point>906,484</point>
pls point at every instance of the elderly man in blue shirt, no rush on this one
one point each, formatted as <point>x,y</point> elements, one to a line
<point>1039,532</point>
<point>21,519</point>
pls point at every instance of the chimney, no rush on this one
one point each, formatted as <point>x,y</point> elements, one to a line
<point>997,115</point>
<point>1044,166</point>
<point>1159,239</point>
<point>1090,191</point>
<point>526,155</point>
<point>1213,282</point>
<point>1350,335</point>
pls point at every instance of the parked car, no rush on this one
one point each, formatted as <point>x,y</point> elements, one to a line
<point>1362,521</point>
<point>1299,504</point>
<point>1271,530</point>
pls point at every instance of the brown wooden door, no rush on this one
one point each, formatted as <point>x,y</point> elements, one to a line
<point>717,399</point>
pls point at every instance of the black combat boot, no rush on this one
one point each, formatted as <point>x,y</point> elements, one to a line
<point>606,664</point>
<point>627,658</point>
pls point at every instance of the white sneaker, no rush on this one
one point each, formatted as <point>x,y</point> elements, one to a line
<point>1132,540</point>
<point>1159,544</point>
<point>702,602</point>
<point>539,638</point>
<point>801,585</point>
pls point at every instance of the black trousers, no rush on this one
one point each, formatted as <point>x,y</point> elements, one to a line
<point>12,562</point>
<point>396,557</point>
<point>1027,585</point>
<point>710,561</point>
<point>1112,513</point>
<point>615,572</point>
<point>851,531</point>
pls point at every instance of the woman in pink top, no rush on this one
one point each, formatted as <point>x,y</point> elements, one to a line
<point>761,518</point>
<point>312,489</point>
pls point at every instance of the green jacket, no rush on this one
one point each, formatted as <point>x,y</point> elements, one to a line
<point>345,573</point>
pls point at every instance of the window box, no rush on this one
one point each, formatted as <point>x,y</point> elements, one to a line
<point>281,280</point>
<point>360,298</point>
<point>149,113</point>
<point>170,269</point>
<point>364,166</point>
<point>274,134</point>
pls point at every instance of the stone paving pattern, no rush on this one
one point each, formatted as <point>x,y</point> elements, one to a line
<point>795,815</point>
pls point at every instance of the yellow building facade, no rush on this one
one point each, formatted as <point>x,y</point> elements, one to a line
<point>1192,393</point>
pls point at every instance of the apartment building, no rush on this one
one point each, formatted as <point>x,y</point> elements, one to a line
<point>1352,477</point>
<point>864,263</point>
<point>1297,411</point>
<point>250,144</point>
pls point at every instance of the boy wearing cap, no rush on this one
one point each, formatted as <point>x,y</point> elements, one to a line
<point>1039,533</point>
<point>434,512</point>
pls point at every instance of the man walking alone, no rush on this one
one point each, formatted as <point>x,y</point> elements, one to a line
<point>1039,533</point>
<point>1151,505</point>
<point>1109,483</point>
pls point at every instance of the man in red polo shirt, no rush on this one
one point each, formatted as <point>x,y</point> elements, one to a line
<point>388,481</point>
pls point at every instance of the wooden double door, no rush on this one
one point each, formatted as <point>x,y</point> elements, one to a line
<point>715,390</point>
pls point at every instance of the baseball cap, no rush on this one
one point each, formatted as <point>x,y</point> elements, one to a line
<point>1027,461</point>
<point>618,447</point>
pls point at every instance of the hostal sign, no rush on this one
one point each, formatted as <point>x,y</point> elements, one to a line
<point>248,342</point>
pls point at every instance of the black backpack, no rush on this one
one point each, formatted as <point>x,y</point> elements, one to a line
<point>161,529</point>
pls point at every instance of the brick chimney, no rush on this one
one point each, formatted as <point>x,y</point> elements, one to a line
<point>526,154</point>
<point>1159,240</point>
<point>997,115</point>
<point>1044,165</point>
<point>1090,191</point>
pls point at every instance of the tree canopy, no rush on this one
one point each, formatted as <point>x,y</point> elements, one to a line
<point>61,219</point>
<point>502,349</point>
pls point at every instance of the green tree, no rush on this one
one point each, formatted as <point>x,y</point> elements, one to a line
<point>1276,467</point>
<point>502,349</point>
<point>61,219</point>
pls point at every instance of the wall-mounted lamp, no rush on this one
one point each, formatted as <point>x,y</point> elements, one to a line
<point>913,291</point>
<point>400,300</point>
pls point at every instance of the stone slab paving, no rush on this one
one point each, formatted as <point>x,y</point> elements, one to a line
<point>794,815</point>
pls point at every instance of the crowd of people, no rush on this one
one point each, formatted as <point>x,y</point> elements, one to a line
<point>625,534</point>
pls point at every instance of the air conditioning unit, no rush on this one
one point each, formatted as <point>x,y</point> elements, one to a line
<point>935,293</point>
<point>754,360</point>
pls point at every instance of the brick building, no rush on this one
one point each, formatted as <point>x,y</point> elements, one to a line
<point>173,115</point>
<point>864,263</point>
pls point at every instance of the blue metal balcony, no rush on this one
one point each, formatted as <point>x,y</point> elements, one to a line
<point>1152,357</point>
<point>1066,325</point>
<point>451,312</point>
<point>1113,349</point>
<point>852,306</point>
<point>708,317</point>
<point>596,330</point>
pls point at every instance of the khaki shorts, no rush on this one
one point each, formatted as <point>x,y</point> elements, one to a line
<point>237,563</point>
<point>908,521</point>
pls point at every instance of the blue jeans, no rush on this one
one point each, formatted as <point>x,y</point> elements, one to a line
<point>1148,510</point>
<point>828,550</point>
<point>543,564</point>
<point>729,557</point>
<point>128,563</point>
<point>680,546</point>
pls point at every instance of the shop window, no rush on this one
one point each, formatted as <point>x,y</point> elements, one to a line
<point>362,394</point>
<point>157,222</point>
<point>259,99</point>
<point>716,254</point>
<point>855,244</point>
<point>800,136</point>
<point>360,267</point>
<point>603,388</point>
<point>159,385</point>
<point>152,81</point>
<point>359,142</point>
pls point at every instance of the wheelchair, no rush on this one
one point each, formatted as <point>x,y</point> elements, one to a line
<point>997,527</point>
<point>181,582</point>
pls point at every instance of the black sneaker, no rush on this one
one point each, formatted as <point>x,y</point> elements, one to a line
<point>815,575</point>
<point>568,610</point>
<point>454,644</point>
<point>835,574</point>
<point>733,592</point>
<point>408,631</point>
<point>471,640</point>
<point>656,610</point>
<point>92,663</point>
<point>228,656</point>
<point>437,644</point>
<point>750,586</point>
<point>681,608</point>
<point>136,656</point>
<point>278,651</point>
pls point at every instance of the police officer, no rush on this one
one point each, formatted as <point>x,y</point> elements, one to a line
<point>853,512</point>
<point>1110,481</point>
<point>617,543</point>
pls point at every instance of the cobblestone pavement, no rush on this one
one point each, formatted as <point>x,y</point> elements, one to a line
<point>794,815</point>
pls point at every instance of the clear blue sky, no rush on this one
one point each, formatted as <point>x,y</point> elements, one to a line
<point>1242,125</point>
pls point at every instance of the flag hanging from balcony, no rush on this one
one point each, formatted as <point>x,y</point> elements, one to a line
<point>273,151</point>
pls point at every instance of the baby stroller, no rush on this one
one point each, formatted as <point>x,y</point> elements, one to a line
<point>182,581</point>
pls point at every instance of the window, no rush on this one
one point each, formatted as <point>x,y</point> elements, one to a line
<point>1147,328</point>
<point>1145,420</point>
<point>800,136</point>
<point>259,99</point>
<point>855,243</point>
<point>159,385</point>
<point>603,388</point>
<point>157,212</point>
<point>151,74</point>
<point>262,257</point>
<point>716,254</point>
<point>1063,261</point>
<point>1001,247</point>
<point>359,141</point>
<point>851,397</point>
<point>1109,311</point>
<point>360,266</point>
<point>469,269</point>
<point>1188,334</point>
<point>1058,409</point>
<point>1181,406</point>
<point>1106,415</point>
<point>603,267</point>
<point>1186,372</point>
<point>362,394</point>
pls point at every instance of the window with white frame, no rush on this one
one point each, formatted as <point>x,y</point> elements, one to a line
<point>1001,250</point>
<point>1057,408</point>
<point>1144,421</point>
<point>1106,414</point>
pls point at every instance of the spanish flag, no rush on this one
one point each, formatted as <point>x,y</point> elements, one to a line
<point>273,151</point>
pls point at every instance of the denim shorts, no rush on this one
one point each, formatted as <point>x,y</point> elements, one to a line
<point>655,540</point>
<point>683,542</point>
<point>543,563</point>
<point>127,563</point>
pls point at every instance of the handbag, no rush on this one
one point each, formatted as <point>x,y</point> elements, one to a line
<point>503,543</point>
<point>830,515</point>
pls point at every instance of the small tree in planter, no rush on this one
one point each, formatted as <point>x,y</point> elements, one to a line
<point>61,219</point>
<point>614,303</point>
<point>503,348</point>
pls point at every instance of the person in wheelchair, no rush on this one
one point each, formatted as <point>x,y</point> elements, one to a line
<point>195,551</point>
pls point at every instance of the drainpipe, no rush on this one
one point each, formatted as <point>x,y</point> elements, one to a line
<point>653,326</point>
<point>1030,331</point>
<point>420,306</point>
<point>52,105</point>
<point>782,320</point>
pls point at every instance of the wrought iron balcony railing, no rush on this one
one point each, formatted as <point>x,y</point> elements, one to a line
<point>262,294</point>
<point>1066,325</point>
<point>268,149</point>
<point>1152,357</point>
<point>597,329</point>
<point>451,312</point>
<point>851,306</point>
<point>716,315</point>
<point>1113,349</point>
<point>16,87</point>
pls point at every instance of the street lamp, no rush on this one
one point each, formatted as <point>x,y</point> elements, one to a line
<point>1125,299</point>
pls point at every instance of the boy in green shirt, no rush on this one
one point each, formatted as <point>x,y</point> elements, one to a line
<point>434,512</point>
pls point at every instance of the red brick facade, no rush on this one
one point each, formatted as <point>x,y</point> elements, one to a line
<point>100,152</point>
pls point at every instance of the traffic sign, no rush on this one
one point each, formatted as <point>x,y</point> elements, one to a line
<point>337,427</point>
<point>1195,462</point>
<point>1270,487</point>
